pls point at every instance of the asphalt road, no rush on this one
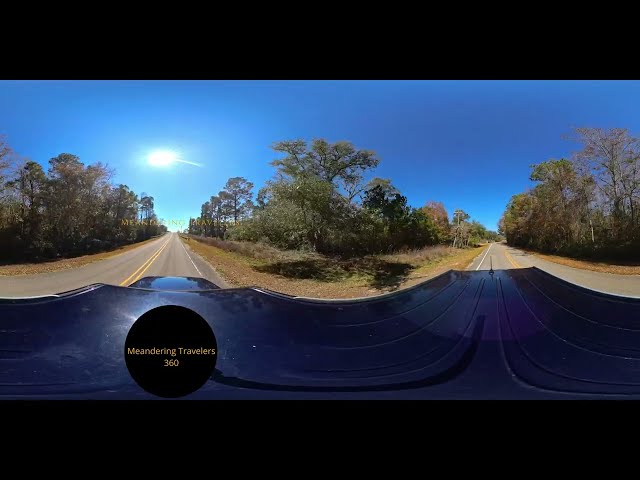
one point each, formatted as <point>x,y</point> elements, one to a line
<point>166,256</point>
<point>503,257</point>
<point>170,256</point>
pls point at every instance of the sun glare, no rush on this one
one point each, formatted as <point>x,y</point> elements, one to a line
<point>162,158</point>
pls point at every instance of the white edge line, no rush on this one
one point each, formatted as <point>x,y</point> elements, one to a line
<point>485,256</point>
<point>188,256</point>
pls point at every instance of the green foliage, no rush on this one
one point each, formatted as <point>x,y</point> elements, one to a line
<point>311,204</point>
<point>340,164</point>
<point>237,194</point>
<point>587,205</point>
<point>232,204</point>
<point>72,209</point>
<point>438,215</point>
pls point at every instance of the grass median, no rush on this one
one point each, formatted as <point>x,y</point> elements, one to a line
<point>309,274</point>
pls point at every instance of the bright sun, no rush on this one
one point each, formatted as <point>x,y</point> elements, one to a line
<point>162,158</point>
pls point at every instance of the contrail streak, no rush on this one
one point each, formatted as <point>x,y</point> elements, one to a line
<point>188,162</point>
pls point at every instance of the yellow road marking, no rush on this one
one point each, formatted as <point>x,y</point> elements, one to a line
<point>510,258</point>
<point>146,268</point>
<point>147,263</point>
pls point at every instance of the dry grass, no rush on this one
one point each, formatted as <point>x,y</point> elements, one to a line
<point>422,255</point>
<point>312,275</point>
<point>66,263</point>
<point>258,251</point>
<point>588,265</point>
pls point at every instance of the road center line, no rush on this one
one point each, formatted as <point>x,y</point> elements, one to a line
<point>485,256</point>
<point>147,263</point>
<point>511,259</point>
<point>147,267</point>
<point>185,251</point>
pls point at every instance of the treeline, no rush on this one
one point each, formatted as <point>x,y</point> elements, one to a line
<point>318,200</point>
<point>70,210</point>
<point>233,203</point>
<point>586,205</point>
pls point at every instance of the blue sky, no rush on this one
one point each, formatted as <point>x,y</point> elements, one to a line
<point>467,144</point>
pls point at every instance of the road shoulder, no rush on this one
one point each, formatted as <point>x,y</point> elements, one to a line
<point>595,266</point>
<point>204,267</point>
<point>615,284</point>
<point>477,261</point>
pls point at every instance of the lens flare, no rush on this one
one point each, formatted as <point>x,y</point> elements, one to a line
<point>162,158</point>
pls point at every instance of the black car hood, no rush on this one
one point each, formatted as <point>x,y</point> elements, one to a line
<point>518,333</point>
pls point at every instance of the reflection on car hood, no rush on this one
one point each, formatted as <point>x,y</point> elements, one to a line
<point>176,284</point>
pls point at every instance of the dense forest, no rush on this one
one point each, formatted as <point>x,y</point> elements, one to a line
<point>587,205</point>
<point>318,200</point>
<point>70,210</point>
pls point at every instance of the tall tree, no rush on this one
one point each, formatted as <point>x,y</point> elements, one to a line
<point>587,205</point>
<point>123,209</point>
<point>438,214</point>
<point>310,204</point>
<point>5,156</point>
<point>70,210</point>
<point>64,200</point>
<point>340,163</point>
<point>146,206</point>
<point>612,155</point>
<point>239,193</point>
<point>30,185</point>
<point>217,214</point>
<point>206,218</point>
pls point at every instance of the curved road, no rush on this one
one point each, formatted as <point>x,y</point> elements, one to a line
<point>166,256</point>
<point>504,257</point>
